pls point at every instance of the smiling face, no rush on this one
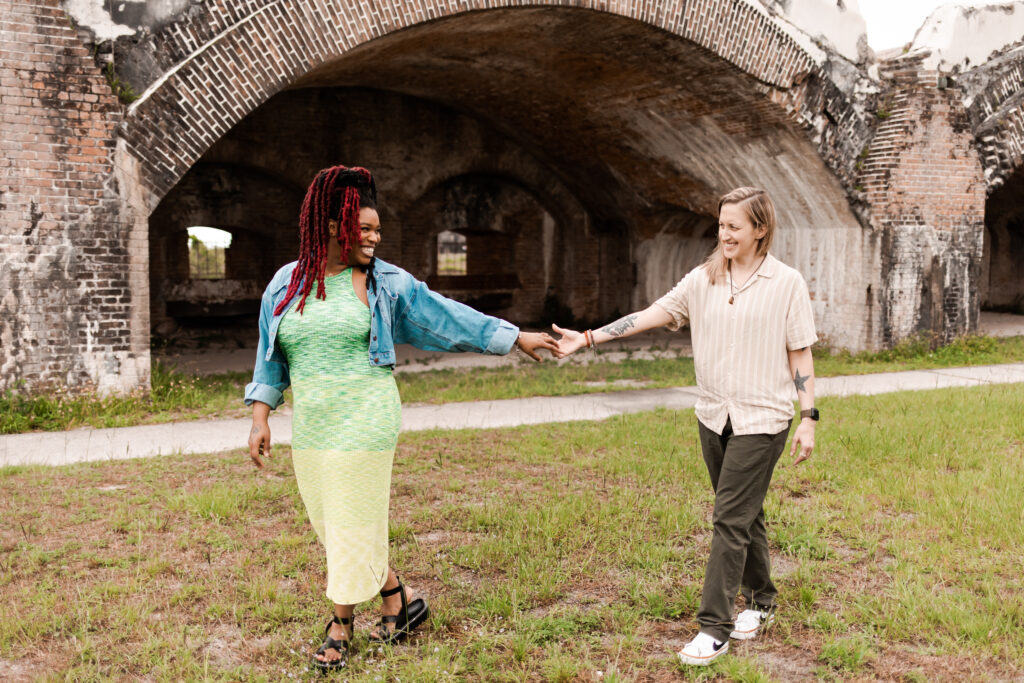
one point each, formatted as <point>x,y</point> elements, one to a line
<point>737,234</point>
<point>369,237</point>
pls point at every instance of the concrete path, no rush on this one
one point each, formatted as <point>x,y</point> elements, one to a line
<point>81,445</point>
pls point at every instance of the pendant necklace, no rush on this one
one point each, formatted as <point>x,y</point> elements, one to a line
<point>732,291</point>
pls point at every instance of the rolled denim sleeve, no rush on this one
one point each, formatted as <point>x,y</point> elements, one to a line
<point>503,339</point>
<point>270,378</point>
<point>433,322</point>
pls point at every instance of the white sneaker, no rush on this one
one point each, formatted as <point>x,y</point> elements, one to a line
<point>750,622</point>
<point>702,650</point>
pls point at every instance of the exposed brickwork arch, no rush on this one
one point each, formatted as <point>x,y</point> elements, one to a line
<point>234,54</point>
<point>995,104</point>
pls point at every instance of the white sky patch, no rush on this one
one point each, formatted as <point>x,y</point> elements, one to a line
<point>892,23</point>
<point>211,237</point>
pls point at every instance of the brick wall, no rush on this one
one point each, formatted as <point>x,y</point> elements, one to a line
<point>69,313</point>
<point>994,92</point>
<point>214,76</point>
<point>688,99</point>
<point>418,150</point>
<point>926,191</point>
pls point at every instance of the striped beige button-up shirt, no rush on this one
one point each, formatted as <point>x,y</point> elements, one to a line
<point>739,349</point>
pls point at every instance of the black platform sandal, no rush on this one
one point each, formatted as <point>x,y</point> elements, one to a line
<point>409,617</point>
<point>331,644</point>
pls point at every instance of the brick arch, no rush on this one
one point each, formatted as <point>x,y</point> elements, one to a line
<point>573,244</point>
<point>994,99</point>
<point>234,56</point>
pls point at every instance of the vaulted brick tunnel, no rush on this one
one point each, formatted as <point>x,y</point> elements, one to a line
<point>574,151</point>
<point>581,153</point>
<point>1002,275</point>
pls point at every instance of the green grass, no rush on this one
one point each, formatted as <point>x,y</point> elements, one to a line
<point>548,553</point>
<point>177,396</point>
<point>549,379</point>
<point>174,396</point>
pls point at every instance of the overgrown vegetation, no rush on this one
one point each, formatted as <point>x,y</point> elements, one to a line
<point>177,396</point>
<point>549,379</point>
<point>174,396</point>
<point>121,89</point>
<point>548,553</point>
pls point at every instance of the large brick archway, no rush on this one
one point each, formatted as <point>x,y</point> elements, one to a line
<point>644,113</point>
<point>994,99</point>
<point>635,115</point>
<point>236,55</point>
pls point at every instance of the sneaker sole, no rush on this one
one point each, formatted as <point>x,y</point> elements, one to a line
<point>748,635</point>
<point>703,661</point>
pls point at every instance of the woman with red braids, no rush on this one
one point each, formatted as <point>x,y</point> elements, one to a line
<point>336,350</point>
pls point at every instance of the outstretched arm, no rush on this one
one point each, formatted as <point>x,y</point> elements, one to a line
<point>628,325</point>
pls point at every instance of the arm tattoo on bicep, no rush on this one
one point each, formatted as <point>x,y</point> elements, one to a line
<point>619,327</point>
<point>800,382</point>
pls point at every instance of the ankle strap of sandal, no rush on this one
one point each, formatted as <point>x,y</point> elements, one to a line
<point>391,591</point>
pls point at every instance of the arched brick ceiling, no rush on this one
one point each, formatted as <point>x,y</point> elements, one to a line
<point>631,117</point>
<point>229,57</point>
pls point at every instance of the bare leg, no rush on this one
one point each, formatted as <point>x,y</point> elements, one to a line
<point>338,632</point>
<point>392,604</point>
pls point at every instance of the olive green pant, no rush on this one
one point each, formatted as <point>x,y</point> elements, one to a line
<point>741,468</point>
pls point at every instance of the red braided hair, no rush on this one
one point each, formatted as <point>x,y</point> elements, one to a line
<point>332,196</point>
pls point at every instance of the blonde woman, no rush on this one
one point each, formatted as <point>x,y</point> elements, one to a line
<point>752,327</point>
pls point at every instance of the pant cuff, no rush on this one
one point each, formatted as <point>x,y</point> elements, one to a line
<point>719,633</point>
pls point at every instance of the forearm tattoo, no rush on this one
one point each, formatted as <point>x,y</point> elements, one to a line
<point>620,326</point>
<point>800,382</point>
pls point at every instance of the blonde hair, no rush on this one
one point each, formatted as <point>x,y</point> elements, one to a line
<point>761,212</point>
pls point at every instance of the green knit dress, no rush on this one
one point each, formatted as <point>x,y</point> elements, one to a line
<point>344,431</point>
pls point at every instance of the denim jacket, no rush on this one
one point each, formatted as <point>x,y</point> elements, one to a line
<point>403,310</point>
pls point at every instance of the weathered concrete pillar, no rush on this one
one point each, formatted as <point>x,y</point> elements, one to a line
<point>926,190</point>
<point>72,256</point>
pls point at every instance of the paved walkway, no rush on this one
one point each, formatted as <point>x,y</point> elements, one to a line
<point>81,445</point>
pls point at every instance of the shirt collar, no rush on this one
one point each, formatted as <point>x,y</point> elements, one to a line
<point>769,267</point>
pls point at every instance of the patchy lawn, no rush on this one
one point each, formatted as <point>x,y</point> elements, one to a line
<point>556,552</point>
<point>177,396</point>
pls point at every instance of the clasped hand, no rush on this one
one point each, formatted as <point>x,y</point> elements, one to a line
<point>530,342</point>
<point>570,342</point>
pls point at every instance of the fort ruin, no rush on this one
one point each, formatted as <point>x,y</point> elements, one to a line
<point>575,148</point>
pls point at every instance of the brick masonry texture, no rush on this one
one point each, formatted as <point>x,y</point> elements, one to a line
<point>926,192</point>
<point>995,93</point>
<point>595,136</point>
<point>67,310</point>
<point>229,57</point>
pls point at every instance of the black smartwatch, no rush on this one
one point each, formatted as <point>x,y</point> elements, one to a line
<point>811,413</point>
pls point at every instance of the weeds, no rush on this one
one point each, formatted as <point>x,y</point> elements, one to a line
<point>547,553</point>
<point>178,396</point>
<point>121,89</point>
<point>173,396</point>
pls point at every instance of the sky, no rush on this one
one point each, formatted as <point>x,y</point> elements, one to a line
<point>892,23</point>
<point>211,237</point>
